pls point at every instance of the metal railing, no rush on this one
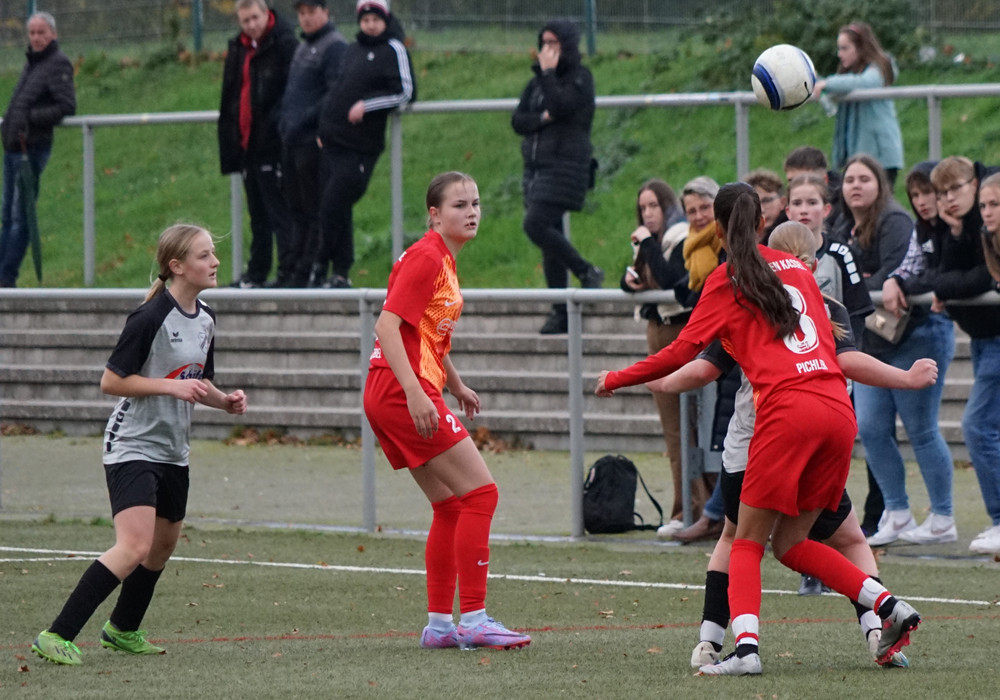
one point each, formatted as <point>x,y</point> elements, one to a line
<point>740,101</point>
<point>369,301</point>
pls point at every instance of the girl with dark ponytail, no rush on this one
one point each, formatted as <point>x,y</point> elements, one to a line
<point>767,310</point>
<point>737,210</point>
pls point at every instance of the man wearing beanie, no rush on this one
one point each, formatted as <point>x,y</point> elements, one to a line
<point>376,76</point>
<point>312,75</point>
<point>253,81</point>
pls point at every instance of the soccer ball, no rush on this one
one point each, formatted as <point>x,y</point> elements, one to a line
<point>783,77</point>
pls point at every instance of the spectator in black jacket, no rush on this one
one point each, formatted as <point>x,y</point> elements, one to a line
<point>882,231</point>
<point>253,81</point>
<point>43,95</point>
<point>554,116</point>
<point>311,77</point>
<point>963,274</point>
<point>376,76</point>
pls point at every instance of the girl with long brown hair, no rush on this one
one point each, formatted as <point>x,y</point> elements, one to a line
<point>766,309</point>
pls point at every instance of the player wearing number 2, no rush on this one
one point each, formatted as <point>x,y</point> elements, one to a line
<point>767,310</point>
<point>409,368</point>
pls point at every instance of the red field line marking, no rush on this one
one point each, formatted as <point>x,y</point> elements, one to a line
<point>548,629</point>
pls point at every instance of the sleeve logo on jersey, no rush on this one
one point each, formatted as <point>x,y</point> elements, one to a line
<point>446,326</point>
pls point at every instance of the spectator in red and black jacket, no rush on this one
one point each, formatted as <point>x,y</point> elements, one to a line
<point>253,82</point>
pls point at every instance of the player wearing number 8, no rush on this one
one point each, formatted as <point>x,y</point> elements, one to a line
<point>410,366</point>
<point>791,474</point>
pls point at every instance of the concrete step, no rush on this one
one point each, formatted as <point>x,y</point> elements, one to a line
<point>299,359</point>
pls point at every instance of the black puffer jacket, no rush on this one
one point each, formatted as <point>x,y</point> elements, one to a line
<point>378,70</point>
<point>557,151</point>
<point>268,75</point>
<point>44,94</point>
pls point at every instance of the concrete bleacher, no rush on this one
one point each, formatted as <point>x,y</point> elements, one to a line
<point>298,357</point>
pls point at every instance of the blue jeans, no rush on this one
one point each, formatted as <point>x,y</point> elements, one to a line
<point>13,229</point>
<point>877,408</point>
<point>715,506</point>
<point>981,421</point>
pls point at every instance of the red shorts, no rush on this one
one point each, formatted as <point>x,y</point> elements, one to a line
<point>800,453</point>
<point>386,410</point>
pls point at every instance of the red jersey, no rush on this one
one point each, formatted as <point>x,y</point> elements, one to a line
<point>423,291</point>
<point>805,360</point>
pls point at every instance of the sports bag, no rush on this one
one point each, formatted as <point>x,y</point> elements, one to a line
<point>609,497</point>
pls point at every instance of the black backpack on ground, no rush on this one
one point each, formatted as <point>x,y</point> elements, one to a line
<point>609,497</point>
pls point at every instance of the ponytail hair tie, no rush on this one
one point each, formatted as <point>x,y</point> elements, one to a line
<point>162,277</point>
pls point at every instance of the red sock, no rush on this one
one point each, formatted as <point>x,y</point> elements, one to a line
<point>472,546</point>
<point>439,556</point>
<point>828,565</point>
<point>744,578</point>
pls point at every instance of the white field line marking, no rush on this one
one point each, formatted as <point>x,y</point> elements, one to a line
<point>75,555</point>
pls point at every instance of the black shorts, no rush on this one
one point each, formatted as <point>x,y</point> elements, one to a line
<point>139,483</point>
<point>824,527</point>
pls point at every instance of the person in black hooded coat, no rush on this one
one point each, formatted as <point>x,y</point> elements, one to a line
<point>554,116</point>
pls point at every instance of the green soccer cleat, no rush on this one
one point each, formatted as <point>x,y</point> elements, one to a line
<point>54,648</point>
<point>129,642</point>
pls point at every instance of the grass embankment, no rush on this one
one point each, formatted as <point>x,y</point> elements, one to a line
<point>151,176</point>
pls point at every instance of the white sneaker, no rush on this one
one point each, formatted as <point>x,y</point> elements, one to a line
<point>890,525</point>
<point>733,665</point>
<point>935,530</point>
<point>704,655</point>
<point>987,541</point>
<point>666,531</point>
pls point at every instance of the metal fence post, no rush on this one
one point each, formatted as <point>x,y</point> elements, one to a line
<point>198,23</point>
<point>742,139</point>
<point>933,127</point>
<point>396,182</point>
<point>236,222</point>
<point>574,352</point>
<point>367,330</point>
<point>89,215</point>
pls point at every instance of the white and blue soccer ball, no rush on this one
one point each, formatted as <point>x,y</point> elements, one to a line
<point>783,77</point>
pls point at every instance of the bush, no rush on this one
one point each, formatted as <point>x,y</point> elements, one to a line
<point>741,34</point>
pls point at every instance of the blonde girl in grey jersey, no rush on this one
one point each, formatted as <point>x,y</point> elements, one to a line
<point>163,364</point>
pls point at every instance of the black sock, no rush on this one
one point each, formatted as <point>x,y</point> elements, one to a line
<point>133,601</point>
<point>746,649</point>
<point>94,587</point>
<point>716,598</point>
<point>885,609</point>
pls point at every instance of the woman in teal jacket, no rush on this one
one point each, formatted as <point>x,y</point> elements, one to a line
<point>864,127</point>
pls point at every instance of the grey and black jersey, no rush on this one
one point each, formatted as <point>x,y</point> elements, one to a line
<point>159,340</point>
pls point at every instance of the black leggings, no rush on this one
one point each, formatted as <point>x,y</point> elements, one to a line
<point>543,224</point>
<point>346,174</point>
